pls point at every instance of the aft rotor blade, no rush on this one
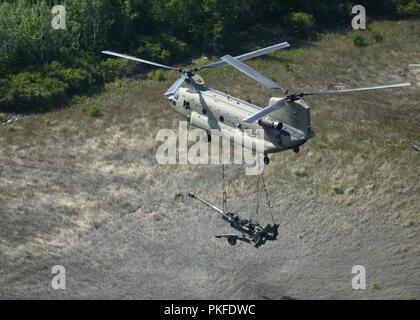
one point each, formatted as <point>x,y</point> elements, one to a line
<point>120,55</point>
<point>250,55</point>
<point>264,112</point>
<point>251,72</point>
<point>414,65</point>
<point>388,86</point>
<point>176,85</point>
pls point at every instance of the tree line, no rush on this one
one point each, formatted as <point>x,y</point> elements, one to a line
<point>41,67</point>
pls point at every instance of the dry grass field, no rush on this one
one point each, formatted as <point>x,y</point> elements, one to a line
<point>87,193</point>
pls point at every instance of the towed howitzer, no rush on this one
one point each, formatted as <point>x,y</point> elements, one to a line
<point>251,232</point>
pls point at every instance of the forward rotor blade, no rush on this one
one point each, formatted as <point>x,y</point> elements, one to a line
<point>414,65</point>
<point>388,86</point>
<point>251,72</point>
<point>176,85</point>
<point>264,112</point>
<point>120,55</point>
<point>250,55</point>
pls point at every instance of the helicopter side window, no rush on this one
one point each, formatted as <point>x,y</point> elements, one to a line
<point>186,104</point>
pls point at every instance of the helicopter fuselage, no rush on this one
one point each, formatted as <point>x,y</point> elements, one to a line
<point>215,111</point>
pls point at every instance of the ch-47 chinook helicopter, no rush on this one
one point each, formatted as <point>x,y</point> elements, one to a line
<point>285,121</point>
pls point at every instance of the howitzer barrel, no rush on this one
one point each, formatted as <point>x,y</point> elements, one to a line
<point>194,196</point>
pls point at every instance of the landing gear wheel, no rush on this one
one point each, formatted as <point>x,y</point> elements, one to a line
<point>266,160</point>
<point>296,150</point>
<point>232,241</point>
<point>208,137</point>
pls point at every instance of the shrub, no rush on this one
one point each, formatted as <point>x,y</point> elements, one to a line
<point>376,286</point>
<point>110,69</point>
<point>358,40</point>
<point>378,37</point>
<point>288,67</point>
<point>350,191</point>
<point>154,51</point>
<point>320,146</point>
<point>28,90</point>
<point>2,117</point>
<point>94,111</point>
<point>80,98</point>
<point>300,172</point>
<point>409,223</point>
<point>177,196</point>
<point>89,64</point>
<point>157,75</point>
<point>410,10</point>
<point>77,79</point>
<point>302,23</point>
<point>337,188</point>
<point>178,49</point>
<point>52,68</point>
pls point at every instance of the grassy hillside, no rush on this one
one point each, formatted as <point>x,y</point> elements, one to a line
<point>86,192</point>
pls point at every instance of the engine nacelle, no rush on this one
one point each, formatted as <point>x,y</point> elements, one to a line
<point>270,124</point>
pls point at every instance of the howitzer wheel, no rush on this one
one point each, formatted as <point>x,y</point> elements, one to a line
<point>232,240</point>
